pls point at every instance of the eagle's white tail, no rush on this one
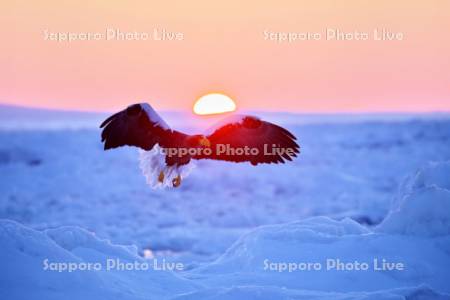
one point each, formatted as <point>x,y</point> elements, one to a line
<point>152,163</point>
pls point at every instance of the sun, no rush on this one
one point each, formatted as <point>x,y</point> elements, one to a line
<point>214,103</point>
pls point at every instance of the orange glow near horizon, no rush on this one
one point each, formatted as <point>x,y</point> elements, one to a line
<point>214,103</point>
<point>192,47</point>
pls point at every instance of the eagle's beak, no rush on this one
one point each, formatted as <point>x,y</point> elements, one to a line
<point>205,142</point>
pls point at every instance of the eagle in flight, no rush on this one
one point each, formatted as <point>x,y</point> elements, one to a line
<point>166,153</point>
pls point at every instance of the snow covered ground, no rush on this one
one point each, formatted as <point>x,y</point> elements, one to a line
<point>362,190</point>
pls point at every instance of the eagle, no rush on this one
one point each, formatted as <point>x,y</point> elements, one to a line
<point>165,153</point>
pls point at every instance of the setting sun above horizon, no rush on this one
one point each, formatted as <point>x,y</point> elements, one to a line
<point>214,103</point>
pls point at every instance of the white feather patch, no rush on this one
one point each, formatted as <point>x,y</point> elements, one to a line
<point>154,117</point>
<point>154,161</point>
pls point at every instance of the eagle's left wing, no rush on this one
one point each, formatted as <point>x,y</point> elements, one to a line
<point>137,125</point>
<point>272,143</point>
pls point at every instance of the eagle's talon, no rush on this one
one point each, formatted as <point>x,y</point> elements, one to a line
<point>161,177</point>
<point>176,181</point>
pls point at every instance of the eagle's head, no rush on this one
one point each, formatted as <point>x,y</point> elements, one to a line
<point>198,141</point>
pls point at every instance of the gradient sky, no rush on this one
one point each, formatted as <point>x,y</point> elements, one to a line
<point>224,49</point>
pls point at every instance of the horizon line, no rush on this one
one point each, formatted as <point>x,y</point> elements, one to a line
<point>285,111</point>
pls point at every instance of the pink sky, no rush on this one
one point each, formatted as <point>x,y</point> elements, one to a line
<point>223,49</point>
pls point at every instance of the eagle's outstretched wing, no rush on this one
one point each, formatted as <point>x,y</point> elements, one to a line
<point>274,144</point>
<point>137,125</point>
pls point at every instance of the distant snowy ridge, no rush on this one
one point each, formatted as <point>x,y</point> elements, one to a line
<point>17,117</point>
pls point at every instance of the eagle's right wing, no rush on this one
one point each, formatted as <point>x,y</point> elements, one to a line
<point>137,125</point>
<point>240,132</point>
